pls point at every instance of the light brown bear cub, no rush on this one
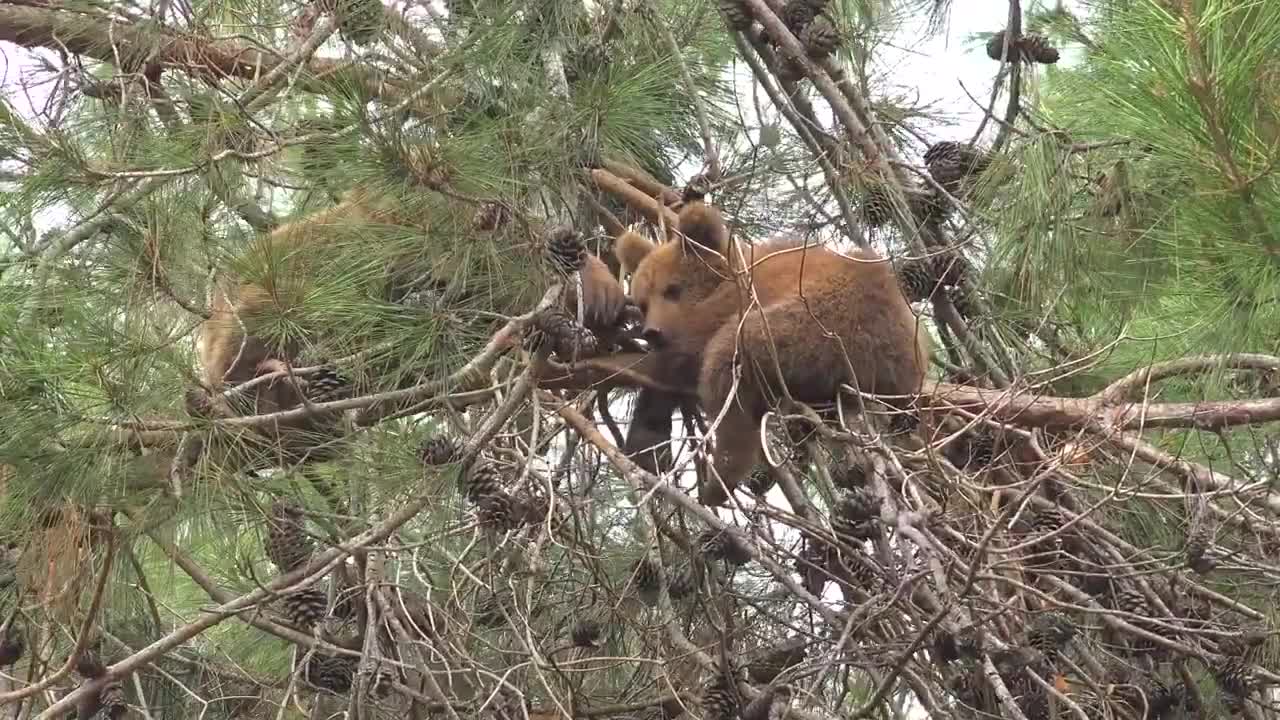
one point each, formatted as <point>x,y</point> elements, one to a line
<point>817,319</point>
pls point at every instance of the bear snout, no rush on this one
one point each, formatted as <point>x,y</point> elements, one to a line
<point>654,337</point>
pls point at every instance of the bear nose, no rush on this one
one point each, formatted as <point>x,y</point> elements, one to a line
<point>654,337</point>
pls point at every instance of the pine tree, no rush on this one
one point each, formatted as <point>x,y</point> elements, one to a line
<point>445,174</point>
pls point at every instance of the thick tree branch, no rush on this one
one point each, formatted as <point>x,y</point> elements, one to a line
<point>637,198</point>
<point>98,38</point>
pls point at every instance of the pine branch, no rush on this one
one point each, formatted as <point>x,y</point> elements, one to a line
<point>320,564</point>
<point>98,38</point>
<point>711,158</point>
<point>1011,54</point>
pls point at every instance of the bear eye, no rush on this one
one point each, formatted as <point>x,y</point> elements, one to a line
<point>671,292</point>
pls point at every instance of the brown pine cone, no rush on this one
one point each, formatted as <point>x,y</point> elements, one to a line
<point>439,450</point>
<point>567,339</point>
<point>564,251</point>
<point>491,216</point>
<point>820,38</point>
<point>736,14</point>
<point>950,163</point>
<point>287,544</point>
<point>305,608</point>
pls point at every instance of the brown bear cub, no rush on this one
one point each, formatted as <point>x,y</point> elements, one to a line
<point>815,318</point>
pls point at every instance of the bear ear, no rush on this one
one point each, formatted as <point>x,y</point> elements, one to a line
<point>704,225</point>
<point>631,249</point>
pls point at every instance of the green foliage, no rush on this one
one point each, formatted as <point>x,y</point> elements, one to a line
<point>1187,260</point>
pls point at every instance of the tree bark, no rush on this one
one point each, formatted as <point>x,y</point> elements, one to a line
<point>156,49</point>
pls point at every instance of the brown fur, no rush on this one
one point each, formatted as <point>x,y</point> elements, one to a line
<point>810,300</point>
<point>228,357</point>
<point>602,295</point>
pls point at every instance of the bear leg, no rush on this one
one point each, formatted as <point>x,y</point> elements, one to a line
<point>737,435</point>
<point>737,450</point>
<point>648,441</point>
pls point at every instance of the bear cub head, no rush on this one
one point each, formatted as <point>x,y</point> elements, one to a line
<point>670,279</point>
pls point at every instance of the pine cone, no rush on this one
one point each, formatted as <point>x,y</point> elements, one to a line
<point>1028,48</point>
<point>1199,543</point>
<point>491,216</point>
<point>197,403</point>
<point>1037,48</point>
<point>107,702</point>
<point>952,269</point>
<point>488,612</point>
<point>737,15</point>
<point>305,608</point>
<point>719,698</point>
<point>876,208</point>
<point>797,14</point>
<point>917,279</point>
<point>929,206</point>
<point>976,450</point>
<point>646,581</point>
<point>12,647</point>
<point>1050,633</point>
<point>586,633</point>
<point>995,47</point>
<point>439,450</point>
<point>567,339</point>
<point>326,384</point>
<point>1236,681</point>
<point>1161,699</point>
<point>564,251</point>
<point>850,476</point>
<point>498,511</point>
<point>760,481</point>
<point>288,545</point>
<point>1131,600</point>
<point>334,673</point>
<point>951,162</point>
<point>506,706</point>
<point>113,702</point>
<point>860,571</point>
<point>359,21</point>
<point>855,515</point>
<point>722,545</point>
<point>820,38</point>
<point>384,676</point>
<point>1043,522</point>
<point>784,655</point>
<point>484,480</point>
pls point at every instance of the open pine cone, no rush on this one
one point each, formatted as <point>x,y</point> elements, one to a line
<point>564,251</point>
